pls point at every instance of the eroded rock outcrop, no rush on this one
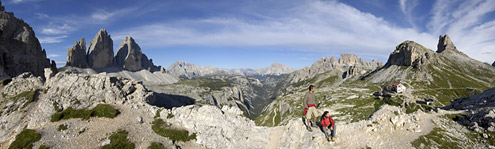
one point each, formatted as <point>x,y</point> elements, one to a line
<point>129,55</point>
<point>76,56</point>
<point>409,53</point>
<point>20,50</point>
<point>100,51</point>
<point>345,63</point>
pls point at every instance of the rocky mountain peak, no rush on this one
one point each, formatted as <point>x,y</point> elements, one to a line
<point>493,63</point>
<point>129,55</point>
<point>348,59</point>
<point>100,50</point>
<point>409,53</point>
<point>76,56</point>
<point>444,43</point>
<point>20,49</point>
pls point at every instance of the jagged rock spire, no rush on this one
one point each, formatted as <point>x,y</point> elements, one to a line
<point>444,43</point>
<point>76,56</point>
<point>100,51</point>
<point>129,55</point>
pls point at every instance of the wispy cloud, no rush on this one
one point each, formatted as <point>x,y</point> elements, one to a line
<point>315,25</point>
<point>23,1</point>
<point>57,29</point>
<point>51,39</point>
<point>53,56</point>
<point>330,26</point>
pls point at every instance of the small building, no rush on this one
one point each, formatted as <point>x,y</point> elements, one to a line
<point>397,87</point>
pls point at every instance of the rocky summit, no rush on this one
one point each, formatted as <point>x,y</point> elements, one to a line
<point>76,56</point>
<point>129,55</point>
<point>100,51</point>
<point>19,47</point>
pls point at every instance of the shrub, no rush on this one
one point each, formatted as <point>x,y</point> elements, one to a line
<point>156,145</point>
<point>101,110</point>
<point>163,129</point>
<point>118,140</point>
<point>62,127</point>
<point>25,139</point>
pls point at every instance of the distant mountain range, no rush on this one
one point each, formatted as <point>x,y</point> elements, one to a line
<point>190,71</point>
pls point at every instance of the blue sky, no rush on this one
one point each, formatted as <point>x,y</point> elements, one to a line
<point>257,33</point>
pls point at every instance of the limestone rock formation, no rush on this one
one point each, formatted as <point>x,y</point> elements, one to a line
<point>100,51</point>
<point>129,55</point>
<point>20,50</point>
<point>76,56</point>
<point>348,59</point>
<point>148,64</point>
<point>409,53</point>
<point>188,70</point>
<point>325,64</point>
<point>274,69</point>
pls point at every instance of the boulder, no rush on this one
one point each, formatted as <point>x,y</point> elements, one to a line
<point>129,55</point>
<point>76,56</point>
<point>100,51</point>
<point>20,50</point>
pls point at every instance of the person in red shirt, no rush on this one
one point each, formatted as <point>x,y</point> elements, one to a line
<point>327,124</point>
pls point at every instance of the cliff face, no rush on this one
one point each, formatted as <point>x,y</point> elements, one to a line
<point>100,51</point>
<point>20,50</point>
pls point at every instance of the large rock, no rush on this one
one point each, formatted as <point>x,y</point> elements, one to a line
<point>493,63</point>
<point>348,59</point>
<point>129,55</point>
<point>76,56</point>
<point>409,53</point>
<point>20,50</point>
<point>100,51</point>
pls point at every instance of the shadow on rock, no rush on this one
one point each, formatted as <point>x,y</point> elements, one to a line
<point>169,101</point>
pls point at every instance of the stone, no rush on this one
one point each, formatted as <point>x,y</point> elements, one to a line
<point>493,63</point>
<point>49,73</point>
<point>444,43</point>
<point>76,56</point>
<point>100,51</point>
<point>129,55</point>
<point>348,59</point>
<point>409,53</point>
<point>20,50</point>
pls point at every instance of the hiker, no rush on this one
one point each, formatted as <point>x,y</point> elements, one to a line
<point>327,124</point>
<point>310,107</point>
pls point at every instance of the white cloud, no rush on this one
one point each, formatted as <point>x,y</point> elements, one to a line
<point>329,26</point>
<point>51,39</point>
<point>53,56</point>
<point>24,1</point>
<point>316,25</point>
<point>57,29</point>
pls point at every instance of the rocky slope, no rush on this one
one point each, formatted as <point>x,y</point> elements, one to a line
<point>442,76</point>
<point>19,47</point>
<point>445,75</point>
<point>213,127</point>
<point>191,71</point>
